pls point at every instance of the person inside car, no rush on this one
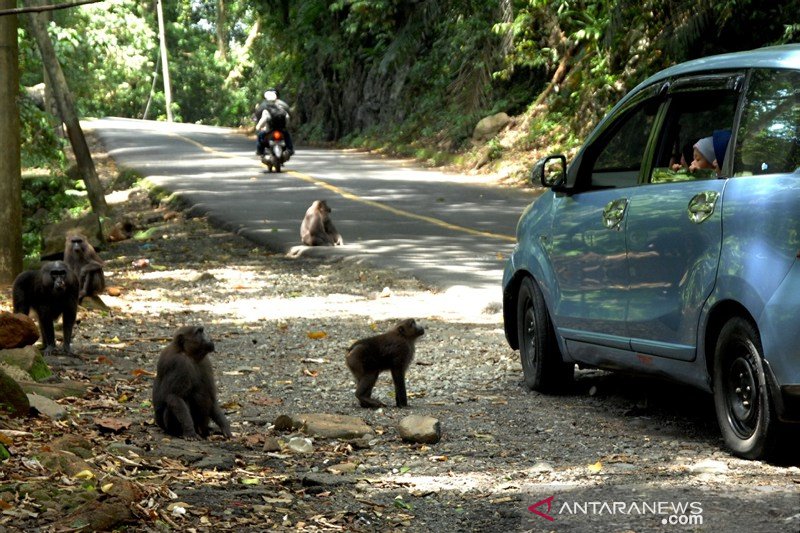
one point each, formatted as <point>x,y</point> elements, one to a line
<point>709,152</point>
<point>703,157</point>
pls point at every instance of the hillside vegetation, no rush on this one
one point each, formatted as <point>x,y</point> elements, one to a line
<point>410,76</point>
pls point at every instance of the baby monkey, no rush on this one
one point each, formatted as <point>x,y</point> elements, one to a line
<point>393,351</point>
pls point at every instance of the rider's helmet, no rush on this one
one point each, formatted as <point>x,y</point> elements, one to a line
<point>271,94</point>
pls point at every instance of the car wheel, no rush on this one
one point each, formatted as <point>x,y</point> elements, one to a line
<point>742,400</point>
<point>542,366</point>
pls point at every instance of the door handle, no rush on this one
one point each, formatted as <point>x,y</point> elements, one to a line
<point>614,212</point>
<point>702,205</point>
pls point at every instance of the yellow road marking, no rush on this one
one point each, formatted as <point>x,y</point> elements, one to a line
<point>350,196</point>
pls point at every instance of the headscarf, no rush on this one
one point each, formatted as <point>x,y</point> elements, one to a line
<point>706,148</point>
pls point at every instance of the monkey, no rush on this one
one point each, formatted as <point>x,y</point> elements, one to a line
<point>121,231</point>
<point>393,351</point>
<point>317,228</point>
<point>51,291</point>
<point>81,257</point>
<point>184,393</point>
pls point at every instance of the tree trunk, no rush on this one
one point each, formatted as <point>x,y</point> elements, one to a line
<point>66,108</point>
<point>222,34</point>
<point>164,63</point>
<point>10,181</point>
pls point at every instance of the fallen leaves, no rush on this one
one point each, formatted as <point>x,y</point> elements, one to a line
<point>113,425</point>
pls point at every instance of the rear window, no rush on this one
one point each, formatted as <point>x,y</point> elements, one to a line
<point>768,140</point>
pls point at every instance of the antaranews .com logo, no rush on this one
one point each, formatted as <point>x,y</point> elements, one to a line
<point>676,513</point>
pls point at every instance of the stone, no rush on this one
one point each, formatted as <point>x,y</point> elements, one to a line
<point>124,449</point>
<point>489,126</point>
<point>420,429</point>
<point>15,373</point>
<point>13,400</point>
<point>74,444</point>
<point>47,407</point>
<point>55,391</point>
<point>300,445</point>
<point>342,468</point>
<point>17,330</point>
<point>330,426</point>
<point>709,466</point>
<point>94,303</point>
<point>28,359</point>
<point>64,462</point>
<point>271,444</point>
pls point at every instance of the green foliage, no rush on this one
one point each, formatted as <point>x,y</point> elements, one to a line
<point>46,197</point>
<point>41,147</point>
<point>411,75</point>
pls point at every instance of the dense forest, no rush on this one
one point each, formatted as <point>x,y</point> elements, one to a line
<point>408,72</point>
<point>410,76</point>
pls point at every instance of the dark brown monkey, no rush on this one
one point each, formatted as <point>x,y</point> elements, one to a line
<point>81,257</point>
<point>317,228</point>
<point>392,351</point>
<point>184,393</point>
<point>51,291</point>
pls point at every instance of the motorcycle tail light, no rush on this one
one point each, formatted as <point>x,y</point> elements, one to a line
<point>277,135</point>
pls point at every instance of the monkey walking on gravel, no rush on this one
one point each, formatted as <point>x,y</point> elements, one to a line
<point>392,351</point>
<point>184,393</point>
<point>51,291</point>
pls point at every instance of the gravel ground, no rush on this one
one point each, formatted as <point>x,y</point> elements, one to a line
<point>618,453</point>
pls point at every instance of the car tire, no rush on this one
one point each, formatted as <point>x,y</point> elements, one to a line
<point>745,411</point>
<point>542,365</point>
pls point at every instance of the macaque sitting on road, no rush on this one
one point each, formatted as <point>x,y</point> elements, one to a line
<point>317,228</point>
<point>184,392</point>
<point>392,351</point>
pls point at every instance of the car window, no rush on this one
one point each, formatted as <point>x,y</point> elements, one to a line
<point>619,161</point>
<point>769,136</point>
<point>691,116</point>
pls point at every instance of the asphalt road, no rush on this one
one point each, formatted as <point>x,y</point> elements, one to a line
<point>447,230</point>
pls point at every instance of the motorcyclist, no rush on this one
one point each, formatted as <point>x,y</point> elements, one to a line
<point>274,115</point>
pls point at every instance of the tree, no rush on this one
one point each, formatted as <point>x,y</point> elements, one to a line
<point>164,62</point>
<point>222,34</point>
<point>10,180</point>
<point>66,108</point>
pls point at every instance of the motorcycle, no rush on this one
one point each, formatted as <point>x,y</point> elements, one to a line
<point>275,153</point>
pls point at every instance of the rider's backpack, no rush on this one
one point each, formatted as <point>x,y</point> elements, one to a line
<point>277,117</point>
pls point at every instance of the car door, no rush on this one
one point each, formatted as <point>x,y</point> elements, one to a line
<point>674,220</point>
<point>588,245</point>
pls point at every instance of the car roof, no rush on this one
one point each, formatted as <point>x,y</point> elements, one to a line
<point>783,56</point>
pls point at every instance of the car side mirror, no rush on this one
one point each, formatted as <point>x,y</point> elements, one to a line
<point>550,172</point>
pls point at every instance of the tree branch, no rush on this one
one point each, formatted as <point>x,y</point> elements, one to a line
<point>53,7</point>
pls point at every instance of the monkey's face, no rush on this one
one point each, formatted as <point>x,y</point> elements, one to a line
<point>77,244</point>
<point>57,279</point>
<point>54,277</point>
<point>410,329</point>
<point>194,342</point>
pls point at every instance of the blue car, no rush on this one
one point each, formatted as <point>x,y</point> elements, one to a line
<point>669,245</point>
